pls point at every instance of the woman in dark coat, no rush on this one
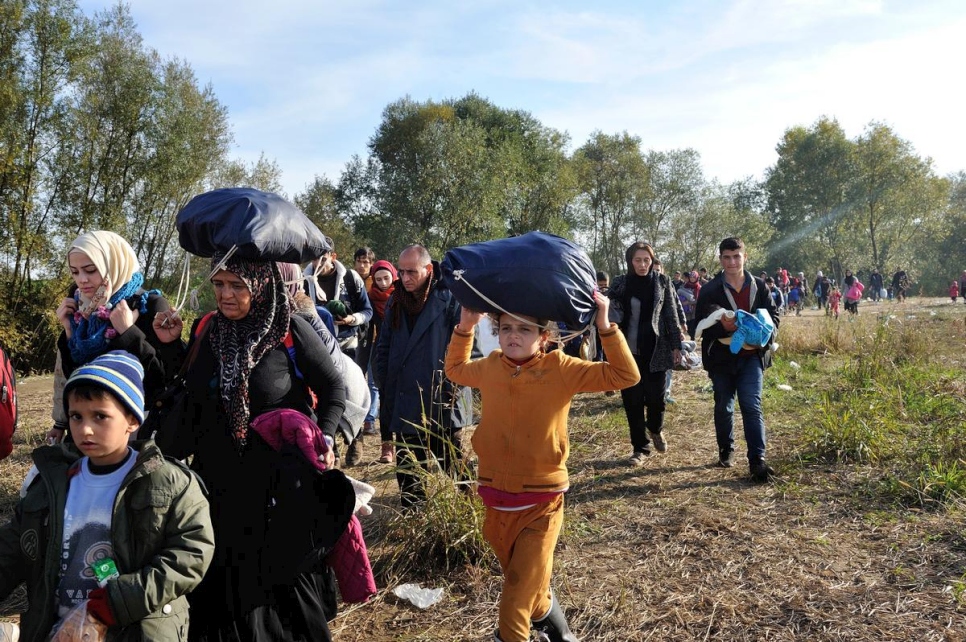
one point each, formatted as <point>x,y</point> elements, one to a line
<point>261,585</point>
<point>645,309</point>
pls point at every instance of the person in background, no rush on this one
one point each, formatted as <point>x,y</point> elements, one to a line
<point>875,282</point>
<point>658,268</point>
<point>362,261</point>
<point>677,281</point>
<point>954,291</point>
<point>343,293</point>
<point>900,281</point>
<point>384,277</point>
<point>833,301</point>
<point>776,295</point>
<point>962,285</point>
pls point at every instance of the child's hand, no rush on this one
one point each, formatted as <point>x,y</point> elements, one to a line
<point>468,319</point>
<point>603,305</point>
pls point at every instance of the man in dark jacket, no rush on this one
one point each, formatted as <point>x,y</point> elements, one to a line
<point>423,409</point>
<point>738,374</point>
<point>875,283</point>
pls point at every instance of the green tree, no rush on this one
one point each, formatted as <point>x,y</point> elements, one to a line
<point>612,176</point>
<point>453,172</point>
<point>895,193</point>
<point>808,199</point>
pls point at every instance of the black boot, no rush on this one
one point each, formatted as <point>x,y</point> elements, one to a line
<point>554,624</point>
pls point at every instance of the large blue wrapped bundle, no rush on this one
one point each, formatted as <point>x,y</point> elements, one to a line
<point>263,226</point>
<point>536,274</point>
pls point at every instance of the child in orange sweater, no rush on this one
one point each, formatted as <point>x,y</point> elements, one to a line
<point>522,446</point>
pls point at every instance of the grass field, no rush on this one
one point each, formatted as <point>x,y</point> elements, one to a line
<point>860,536</point>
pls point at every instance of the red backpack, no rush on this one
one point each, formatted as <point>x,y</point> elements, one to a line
<point>8,404</point>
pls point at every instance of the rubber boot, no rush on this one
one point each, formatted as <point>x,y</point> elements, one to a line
<point>554,624</point>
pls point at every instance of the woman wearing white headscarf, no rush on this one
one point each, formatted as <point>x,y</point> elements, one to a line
<point>110,310</point>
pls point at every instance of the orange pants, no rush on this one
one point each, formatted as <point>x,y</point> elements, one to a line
<point>524,542</point>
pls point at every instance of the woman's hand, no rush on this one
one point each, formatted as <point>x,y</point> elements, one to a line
<point>65,314</point>
<point>167,326</point>
<point>123,317</point>
<point>468,319</point>
<point>329,459</point>
<point>603,305</point>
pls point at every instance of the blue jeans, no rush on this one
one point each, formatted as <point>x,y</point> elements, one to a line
<point>746,384</point>
<point>373,398</point>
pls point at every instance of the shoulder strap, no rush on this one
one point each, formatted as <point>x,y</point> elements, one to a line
<point>201,330</point>
<point>350,282</point>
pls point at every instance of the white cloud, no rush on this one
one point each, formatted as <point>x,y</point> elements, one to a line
<point>306,81</point>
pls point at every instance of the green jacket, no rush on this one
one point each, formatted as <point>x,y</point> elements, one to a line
<point>162,537</point>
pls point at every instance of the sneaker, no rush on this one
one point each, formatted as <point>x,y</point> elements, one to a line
<point>9,632</point>
<point>388,455</point>
<point>354,453</point>
<point>726,458</point>
<point>610,393</point>
<point>639,456</point>
<point>660,444</point>
<point>669,400</point>
<point>369,428</point>
<point>760,471</point>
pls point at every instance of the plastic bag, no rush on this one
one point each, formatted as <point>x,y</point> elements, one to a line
<point>421,597</point>
<point>79,626</point>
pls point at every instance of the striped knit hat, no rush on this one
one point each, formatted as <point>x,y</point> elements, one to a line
<point>117,372</point>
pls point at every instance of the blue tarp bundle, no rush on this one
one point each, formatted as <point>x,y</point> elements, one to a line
<point>536,274</point>
<point>263,226</point>
<point>753,329</point>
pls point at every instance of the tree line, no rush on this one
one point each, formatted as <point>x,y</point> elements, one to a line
<point>98,131</point>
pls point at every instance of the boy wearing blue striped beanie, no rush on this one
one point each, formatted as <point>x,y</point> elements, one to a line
<point>125,532</point>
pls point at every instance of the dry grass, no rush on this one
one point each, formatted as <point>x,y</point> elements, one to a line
<point>682,550</point>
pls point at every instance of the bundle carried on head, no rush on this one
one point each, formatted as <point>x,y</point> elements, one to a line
<point>536,274</point>
<point>260,225</point>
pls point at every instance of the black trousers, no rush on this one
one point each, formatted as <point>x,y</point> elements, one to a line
<point>422,451</point>
<point>644,405</point>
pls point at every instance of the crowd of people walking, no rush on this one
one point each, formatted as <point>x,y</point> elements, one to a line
<point>281,384</point>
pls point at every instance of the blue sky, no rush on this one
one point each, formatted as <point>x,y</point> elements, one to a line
<point>305,81</point>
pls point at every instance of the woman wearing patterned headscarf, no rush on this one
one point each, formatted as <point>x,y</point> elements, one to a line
<point>110,310</point>
<point>242,369</point>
